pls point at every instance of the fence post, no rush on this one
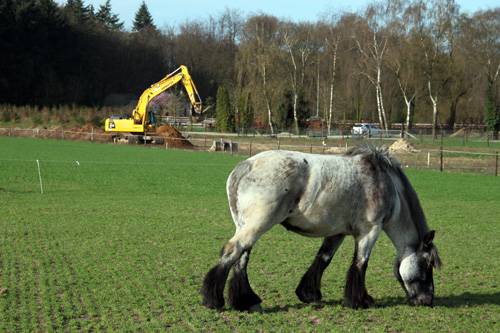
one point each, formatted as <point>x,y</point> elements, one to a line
<point>278,144</point>
<point>496,163</point>
<point>311,149</point>
<point>231,146</point>
<point>441,158</point>
<point>421,137</point>
<point>92,136</point>
<point>205,143</point>
<point>488,140</point>
<point>250,153</point>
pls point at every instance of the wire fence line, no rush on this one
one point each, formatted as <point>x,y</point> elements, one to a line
<point>438,159</point>
<point>441,159</point>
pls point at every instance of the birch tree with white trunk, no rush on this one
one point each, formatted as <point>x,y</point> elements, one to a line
<point>260,49</point>
<point>434,22</point>
<point>298,46</point>
<point>332,39</point>
<point>373,46</point>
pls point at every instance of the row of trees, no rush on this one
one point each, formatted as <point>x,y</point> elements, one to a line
<point>55,55</point>
<point>396,61</point>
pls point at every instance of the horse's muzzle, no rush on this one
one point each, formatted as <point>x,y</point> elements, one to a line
<point>423,299</point>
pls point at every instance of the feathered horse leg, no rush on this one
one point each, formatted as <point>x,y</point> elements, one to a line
<point>235,254</point>
<point>241,297</point>
<point>215,280</point>
<point>309,287</point>
<point>355,293</point>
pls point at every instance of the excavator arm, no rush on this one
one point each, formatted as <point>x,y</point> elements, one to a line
<point>180,74</point>
<point>138,121</point>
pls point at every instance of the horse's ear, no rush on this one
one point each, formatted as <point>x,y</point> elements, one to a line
<point>428,246</point>
<point>428,238</point>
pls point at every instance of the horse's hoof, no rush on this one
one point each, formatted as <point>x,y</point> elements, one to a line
<point>256,308</point>
<point>309,297</point>
<point>214,305</point>
<point>364,303</point>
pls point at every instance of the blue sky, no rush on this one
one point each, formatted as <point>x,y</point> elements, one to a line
<point>170,12</point>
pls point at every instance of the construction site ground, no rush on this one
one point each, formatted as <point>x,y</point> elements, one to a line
<point>471,155</point>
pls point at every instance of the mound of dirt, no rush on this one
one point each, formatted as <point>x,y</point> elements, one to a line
<point>462,132</point>
<point>57,128</point>
<point>74,132</point>
<point>88,128</point>
<point>74,128</point>
<point>335,150</point>
<point>173,137</point>
<point>402,145</point>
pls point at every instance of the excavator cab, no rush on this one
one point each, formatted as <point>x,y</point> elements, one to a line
<point>152,119</point>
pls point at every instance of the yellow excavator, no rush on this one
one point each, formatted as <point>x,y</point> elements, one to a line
<point>140,125</point>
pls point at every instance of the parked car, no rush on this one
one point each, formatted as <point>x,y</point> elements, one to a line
<point>366,130</point>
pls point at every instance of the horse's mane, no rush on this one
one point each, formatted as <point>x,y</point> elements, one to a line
<point>380,156</point>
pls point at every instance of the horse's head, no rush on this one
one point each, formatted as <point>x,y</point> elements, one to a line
<point>416,272</point>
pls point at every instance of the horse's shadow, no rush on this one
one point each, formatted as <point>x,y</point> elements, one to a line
<point>298,306</point>
<point>467,299</point>
<point>453,301</point>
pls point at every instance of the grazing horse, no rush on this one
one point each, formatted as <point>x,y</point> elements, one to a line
<point>359,193</point>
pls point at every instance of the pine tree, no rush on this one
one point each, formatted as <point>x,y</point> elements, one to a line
<point>48,9</point>
<point>107,18</point>
<point>246,114</point>
<point>143,18</point>
<point>284,113</point>
<point>224,119</point>
<point>303,107</point>
<point>78,11</point>
<point>491,114</point>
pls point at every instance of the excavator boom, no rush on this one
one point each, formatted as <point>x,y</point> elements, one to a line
<point>140,121</point>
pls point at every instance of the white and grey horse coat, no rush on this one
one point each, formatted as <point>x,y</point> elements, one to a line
<point>360,193</point>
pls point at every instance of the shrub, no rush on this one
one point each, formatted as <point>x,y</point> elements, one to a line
<point>97,120</point>
<point>37,120</point>
<point>6,116</point>
<point>224,115</point>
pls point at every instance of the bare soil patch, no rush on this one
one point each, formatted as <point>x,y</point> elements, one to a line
<point>335,150</point>
<point>174,138</point>
<point>403,145</point>
<point>462,132</point>
<point>90,132</point>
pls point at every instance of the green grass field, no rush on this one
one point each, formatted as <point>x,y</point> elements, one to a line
<point>122,239</point>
